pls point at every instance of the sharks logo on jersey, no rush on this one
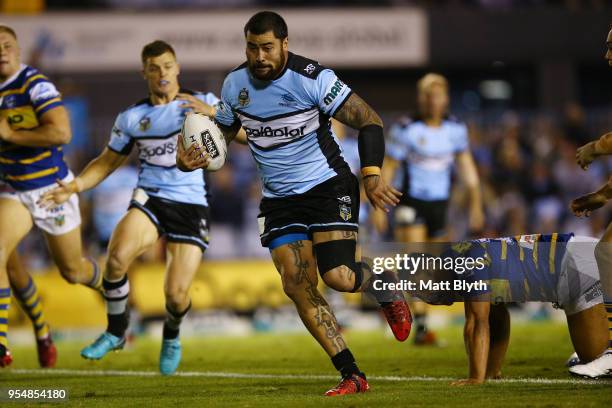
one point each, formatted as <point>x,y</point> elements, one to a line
<point>154,129</point>
<point>287,123</point>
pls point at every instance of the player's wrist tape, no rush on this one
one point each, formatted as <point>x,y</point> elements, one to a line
<point>370,171</point>
<point>371,146</point>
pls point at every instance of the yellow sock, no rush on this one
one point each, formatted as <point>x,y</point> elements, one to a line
<point>29,299</point>
<point>5,301</point>
<point>608,306</point>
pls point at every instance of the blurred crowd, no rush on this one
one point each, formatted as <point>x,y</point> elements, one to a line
<point>185,4</point>
<point>526,163</point>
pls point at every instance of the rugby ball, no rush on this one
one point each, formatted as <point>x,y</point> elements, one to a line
<point>198,129</point>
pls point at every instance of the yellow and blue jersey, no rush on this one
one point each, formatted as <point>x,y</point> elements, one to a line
<point>518,269</point>
<point>24,98</point>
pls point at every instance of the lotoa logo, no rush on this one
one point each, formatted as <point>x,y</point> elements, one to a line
<point>269,132</point>
<point>333,92</point>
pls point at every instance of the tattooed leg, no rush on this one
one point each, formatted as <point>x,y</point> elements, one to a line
<point>297,267</point>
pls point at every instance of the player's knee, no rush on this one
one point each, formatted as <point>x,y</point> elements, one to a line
<point>71,272</point>
<point>177,296</point>
<point>339,278</point>
<point>117,263</point>
<point>336,263</point>
<point>291,288</point>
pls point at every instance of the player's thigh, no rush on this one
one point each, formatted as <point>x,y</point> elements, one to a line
<point>18,275</point>
<point>336,253</point>
<point>15,223</point>
<point>182,266</point>
<point>411,233</point>
<point>133,235</point>
<point>297,267</point>
<point>66,249</point>
<point>589,331</point>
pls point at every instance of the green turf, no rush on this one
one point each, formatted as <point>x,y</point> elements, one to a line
<point>536,351</point>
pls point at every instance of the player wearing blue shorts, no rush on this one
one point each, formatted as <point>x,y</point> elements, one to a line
<point>309,212</point>
<point>558,268</point>
<point>34,126</point>
<point>166,202</point>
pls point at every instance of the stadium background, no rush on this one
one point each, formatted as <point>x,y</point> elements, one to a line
<point>530,93</point>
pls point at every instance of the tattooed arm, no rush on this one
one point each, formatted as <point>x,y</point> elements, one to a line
<point>356,113</point>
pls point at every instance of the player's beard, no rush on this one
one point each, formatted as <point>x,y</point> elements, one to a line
<point>272,73</point>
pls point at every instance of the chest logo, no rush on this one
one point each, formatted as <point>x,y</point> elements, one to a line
<point>288,100</point>
<point>243,97</point>
<point>144,124</point>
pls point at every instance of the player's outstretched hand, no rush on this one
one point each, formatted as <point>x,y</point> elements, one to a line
<point>196,105</point>
<point>190,159</point>
<point>585,155</point>
<point>58,195</point>
<point>380,193</point>
<point>584,205</point>
<point>466,381</point>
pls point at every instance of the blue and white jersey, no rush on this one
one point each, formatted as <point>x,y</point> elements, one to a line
<point>287,122</point>
<point>155,129</point>
<point>428,156</point>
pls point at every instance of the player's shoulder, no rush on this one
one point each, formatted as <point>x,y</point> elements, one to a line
<point>306,67</point>
<point>135,109</point>
<point>454,121</point>
<point>406,121</point>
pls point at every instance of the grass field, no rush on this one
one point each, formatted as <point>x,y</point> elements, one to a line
<point>290,370</point>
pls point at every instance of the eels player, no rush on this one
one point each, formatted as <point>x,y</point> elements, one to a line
<point>584,206</point>
<point>33,127</point>
<point>425,150</point>
<point>166,202</point>
<point>559,268</point>
<point>309,212</point>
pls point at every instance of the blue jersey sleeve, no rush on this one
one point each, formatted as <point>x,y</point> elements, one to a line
<point>396,148</point>
<point>225,115</point>
<point>328,92</point>
<point>121,141</point>
<point>44,95</point>
<point>460,138</point>
<point>209,98</point>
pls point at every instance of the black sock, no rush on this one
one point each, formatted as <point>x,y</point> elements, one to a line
<point>345,363</point>
<point>117,324</point>
<point>116,295</point>
<point>419,322</point>
<point>173,322</point>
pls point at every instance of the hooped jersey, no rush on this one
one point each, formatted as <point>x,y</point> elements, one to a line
<point>154,129</point>
<point>521,268</point>
<point>24,98</point>
<point>287,122</point>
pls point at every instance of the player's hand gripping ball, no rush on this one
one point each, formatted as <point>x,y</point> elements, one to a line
<point>199,131</point>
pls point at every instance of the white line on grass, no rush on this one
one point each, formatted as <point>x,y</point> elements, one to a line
<point>217,374</point>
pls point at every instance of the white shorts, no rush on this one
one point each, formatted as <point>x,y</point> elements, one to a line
<point>55,221</point>
<point>579,287</point>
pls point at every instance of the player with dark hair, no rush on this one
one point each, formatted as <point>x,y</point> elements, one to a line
<point>166,202</point>
<point>309,212</point>
<point>34,125</point>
